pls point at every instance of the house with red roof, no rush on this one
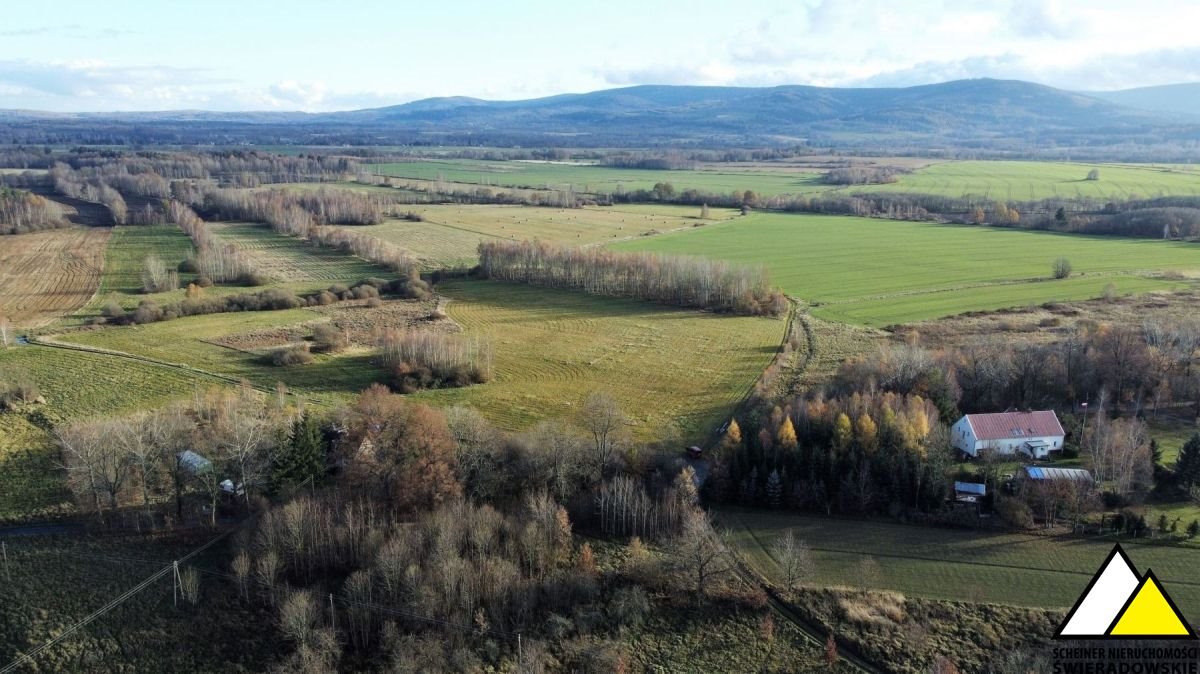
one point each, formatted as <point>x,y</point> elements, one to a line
<point>1034,434</point>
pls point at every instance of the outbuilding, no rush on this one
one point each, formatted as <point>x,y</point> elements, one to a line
<point>1035,434</point>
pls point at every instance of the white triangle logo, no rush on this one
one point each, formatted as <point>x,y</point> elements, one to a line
<point>1104,599</point>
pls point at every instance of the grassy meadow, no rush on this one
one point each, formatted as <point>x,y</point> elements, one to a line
<point>880,272</point>
<point>995,180</point>
<point>596,179</point>
<point>290,260</point>
<point>75,385</point>
<point>551,348</point>
<point>448,235</point>
<point>193,343</point>
<point>1003,568</point>
<point>1033,181</point>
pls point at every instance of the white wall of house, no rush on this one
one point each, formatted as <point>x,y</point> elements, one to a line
<point>962,437</point>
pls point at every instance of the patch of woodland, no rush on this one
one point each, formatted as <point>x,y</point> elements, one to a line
<point>675,280</point>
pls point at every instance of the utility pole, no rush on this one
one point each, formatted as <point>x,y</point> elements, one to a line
<point>4,553</point>
<point>332,614</point>
<point>1084,429</point>
<point>175,582</point>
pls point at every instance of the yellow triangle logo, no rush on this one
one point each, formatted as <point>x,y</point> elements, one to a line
<point>1150,613</point>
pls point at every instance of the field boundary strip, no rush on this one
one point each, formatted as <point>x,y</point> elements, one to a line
<point>812,632</point>
<point>940,560</point>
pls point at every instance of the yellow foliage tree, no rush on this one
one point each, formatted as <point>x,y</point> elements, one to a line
<point>733,435</point>
<point>843,433</point>
<point>786,435</point>
<point>866,432</point>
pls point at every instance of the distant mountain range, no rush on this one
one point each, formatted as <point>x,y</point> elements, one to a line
<point>1171,99</point>
<point>985,114</point>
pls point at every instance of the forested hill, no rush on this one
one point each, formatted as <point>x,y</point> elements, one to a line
<point>967,115</point>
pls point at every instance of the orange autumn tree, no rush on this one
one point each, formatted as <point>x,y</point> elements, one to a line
<point>402,451</point>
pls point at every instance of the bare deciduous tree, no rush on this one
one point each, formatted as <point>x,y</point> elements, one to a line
<point>603,418</point>
<point>700,554</point>
<point>794,559</point>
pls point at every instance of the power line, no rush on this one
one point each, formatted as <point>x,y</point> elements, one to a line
<point>28,658</point>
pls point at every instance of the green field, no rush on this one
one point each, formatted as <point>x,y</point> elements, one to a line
<point>1032,181</point>
<point>189,342</point>
<point>75,385</point>
<point>554,347</point>
<point>291,260</point>
<point>1002,568</point>
<point>597,179</point>
<point>901,309</point>
<point>124,259</point>
<point>448,235</point>
<point>995,180</point>
<point>873,271</point>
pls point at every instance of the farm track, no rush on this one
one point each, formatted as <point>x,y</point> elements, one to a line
<point>813,633</point>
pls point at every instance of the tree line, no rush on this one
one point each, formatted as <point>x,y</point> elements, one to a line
<point>69,183</point>
<point>22,212</point>
<point>667,279</point>
<point>217,261</point>
<point>868,453</point>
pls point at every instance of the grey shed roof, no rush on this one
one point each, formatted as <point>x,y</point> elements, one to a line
<point>193,462</point>
<point>970,488</point>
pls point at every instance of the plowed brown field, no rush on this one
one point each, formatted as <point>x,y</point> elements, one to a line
<point>45,275</point>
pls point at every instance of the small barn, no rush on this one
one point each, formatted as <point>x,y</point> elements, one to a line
<point>1034,434</point>
<point>193,463</point>
<point>969,492</point>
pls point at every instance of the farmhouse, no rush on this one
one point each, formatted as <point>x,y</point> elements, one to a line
<point>1034,434</point>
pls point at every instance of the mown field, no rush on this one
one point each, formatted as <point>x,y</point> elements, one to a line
<point>192,343</point>
<point>597,179</point>
<point>552,348</point>
<point>1032,181</point>
<point>879,272</point>
<point>448,235</point>
<point>75,385</point>
<point>291,260</point>
<point>1004,568</point>
<point>44,275</point>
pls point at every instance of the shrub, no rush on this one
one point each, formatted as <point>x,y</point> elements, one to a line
<point>1062,268</point>
<point>112,310</point>
<point>1014,512</point>
<point>419,360</point>
<point>374,303</point>
<point>296,354</point>
<point>329,339</point>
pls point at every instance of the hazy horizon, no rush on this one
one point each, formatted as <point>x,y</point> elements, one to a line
<point>307,56</point>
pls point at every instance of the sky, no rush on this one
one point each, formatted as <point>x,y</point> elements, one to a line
<point>321,55</point>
